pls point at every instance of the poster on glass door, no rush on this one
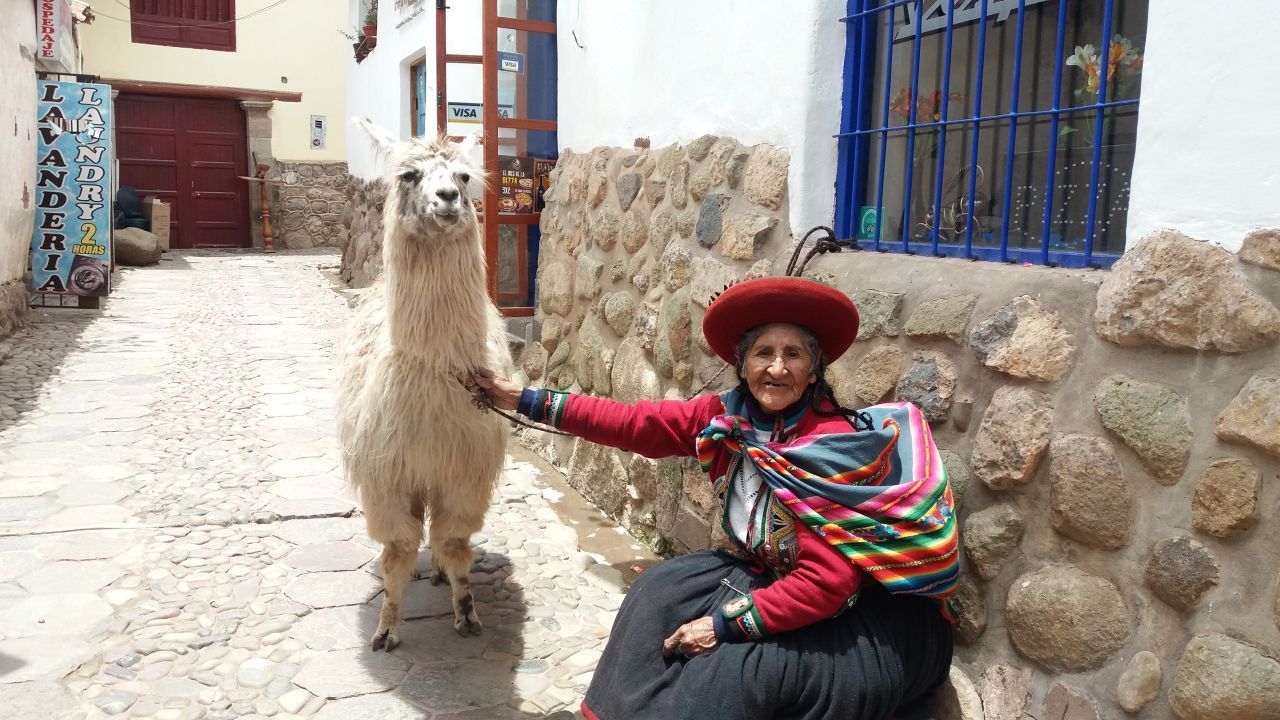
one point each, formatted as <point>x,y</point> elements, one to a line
<point>71,244</point>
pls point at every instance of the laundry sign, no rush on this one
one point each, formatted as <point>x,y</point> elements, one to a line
<point>474,112</point>
<point>71,244</point>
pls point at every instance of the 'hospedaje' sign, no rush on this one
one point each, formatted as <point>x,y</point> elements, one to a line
<point>71,246</point>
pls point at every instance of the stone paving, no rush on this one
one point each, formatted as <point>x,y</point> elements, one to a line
<point>176,540</point>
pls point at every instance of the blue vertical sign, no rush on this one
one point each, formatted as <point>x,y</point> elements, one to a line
<point>71,246</point>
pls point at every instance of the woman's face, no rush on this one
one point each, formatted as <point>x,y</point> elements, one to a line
<point>779,367</point>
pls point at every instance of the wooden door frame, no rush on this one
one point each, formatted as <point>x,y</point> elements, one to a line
<point>490,25</point>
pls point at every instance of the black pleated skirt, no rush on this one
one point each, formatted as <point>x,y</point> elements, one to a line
<point>885,652</point>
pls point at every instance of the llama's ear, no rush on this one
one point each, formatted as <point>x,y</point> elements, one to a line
<point>467,145</point>
<point>383,142</point>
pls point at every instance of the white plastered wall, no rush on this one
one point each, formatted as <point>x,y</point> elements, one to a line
<point>17,135</point>
<point>759,71</point>
<point>1208,148</point>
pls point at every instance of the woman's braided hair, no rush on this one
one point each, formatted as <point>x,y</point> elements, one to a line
<point>822,389</point>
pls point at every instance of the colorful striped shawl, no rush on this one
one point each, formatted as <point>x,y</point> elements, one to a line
<point>880,496</point>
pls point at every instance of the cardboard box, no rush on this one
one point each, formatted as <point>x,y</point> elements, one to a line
<point>158,214</point>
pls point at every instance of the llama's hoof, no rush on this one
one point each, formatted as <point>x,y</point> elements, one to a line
<point>439,578</point>
<point>467,626</point>
<point>385,640</point>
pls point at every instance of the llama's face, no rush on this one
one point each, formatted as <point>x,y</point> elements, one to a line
<point>431,181</point>
<point>434,187</point>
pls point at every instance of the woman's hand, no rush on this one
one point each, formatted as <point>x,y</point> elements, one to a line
<point>696,637</point>
<point>503,393</point>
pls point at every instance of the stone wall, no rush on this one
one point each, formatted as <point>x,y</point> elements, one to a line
<point>361,243</point>
<point>307,209</point>
<point>1113,438</point>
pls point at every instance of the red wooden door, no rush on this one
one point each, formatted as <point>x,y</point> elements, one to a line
<point>188,152</point>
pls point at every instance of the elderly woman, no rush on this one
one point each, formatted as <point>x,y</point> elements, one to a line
<point>831,605</point>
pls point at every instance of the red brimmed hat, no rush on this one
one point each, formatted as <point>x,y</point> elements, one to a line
<point>828,313</point>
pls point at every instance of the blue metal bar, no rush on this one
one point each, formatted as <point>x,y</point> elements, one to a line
<point>977,129</point>
<point>1053,135</point>
<point>1062,258</point>
<point>851,177</point>
<point>989,118</point>
<point>850,112</point>
<point>884,131</point>
<point>945,103</point>
<point>1013,132</point>
<point>911,121</point>
<point>873,10</point>
<point>1105,63</point>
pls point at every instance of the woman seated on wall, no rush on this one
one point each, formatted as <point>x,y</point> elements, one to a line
<point>832,603</point>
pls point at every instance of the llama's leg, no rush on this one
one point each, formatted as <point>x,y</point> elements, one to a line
<point>451,552</point>
<point>398,561</point>
<point>400,533</point>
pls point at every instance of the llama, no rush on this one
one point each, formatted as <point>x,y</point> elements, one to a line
<point>414,445</point>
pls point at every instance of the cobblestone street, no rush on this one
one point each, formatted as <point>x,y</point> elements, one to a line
<point>176,539</point>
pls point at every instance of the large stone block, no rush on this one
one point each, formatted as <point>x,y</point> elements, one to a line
<point>1262,247</point>
<point>597,471</point>
<point>604,227</point>
<point>700,183</point>
<point>878,313</point>
<point>619,311</point>
<point>708,277</point>
<point>1013,437</point>
<point>633,376</point>
<point>1226,498</point>
<point>1066,620</point>
<point>674,266</point>
<point>134,246</point>
<point>676,325</point>
<point>1089,499</point>
<point>990,537</point>
<point>553,328</point>
<point>662,228</point>
<point>700,148</point>
<point>877,374</point>
<point>592,361</point>
<point>634,232</point>
<point>1068,703</point>
<point>1180,571</point>
<point>957,699</point>
<point>1173,291</point>
<point>1004,690</point>
<point>946,317</point>
<point>1025,340</point>
<point>628,188</point>
<point>534,362</point>
<point>1151,419</point>
<point>590,274</point>
<point>1219,678</point>
<point>555,289</point>
<point>745,235</point>
<point>1253,417</point>
<point>766,181</point>
<point>1140,683</point>
<point>930,384</point>
<point>678,186</point>
<point>971,610</point>
<point>711,220</point>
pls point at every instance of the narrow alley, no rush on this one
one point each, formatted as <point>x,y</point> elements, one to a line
<point>176,540</point>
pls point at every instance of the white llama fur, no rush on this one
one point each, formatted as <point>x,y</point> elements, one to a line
<point>414,446</point>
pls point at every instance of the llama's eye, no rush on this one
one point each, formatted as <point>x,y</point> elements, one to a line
<point>411,176</point>
<point>464,178</point>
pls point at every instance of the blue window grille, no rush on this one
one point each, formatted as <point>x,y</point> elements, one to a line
<point>998,143</point>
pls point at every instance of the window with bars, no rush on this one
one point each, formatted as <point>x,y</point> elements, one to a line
<point>200,24</point>
<point>989,129</point>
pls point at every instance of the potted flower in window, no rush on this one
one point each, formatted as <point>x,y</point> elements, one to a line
<point>370,29</point>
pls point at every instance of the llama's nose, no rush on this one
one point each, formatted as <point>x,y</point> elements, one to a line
<point>447,194</point>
